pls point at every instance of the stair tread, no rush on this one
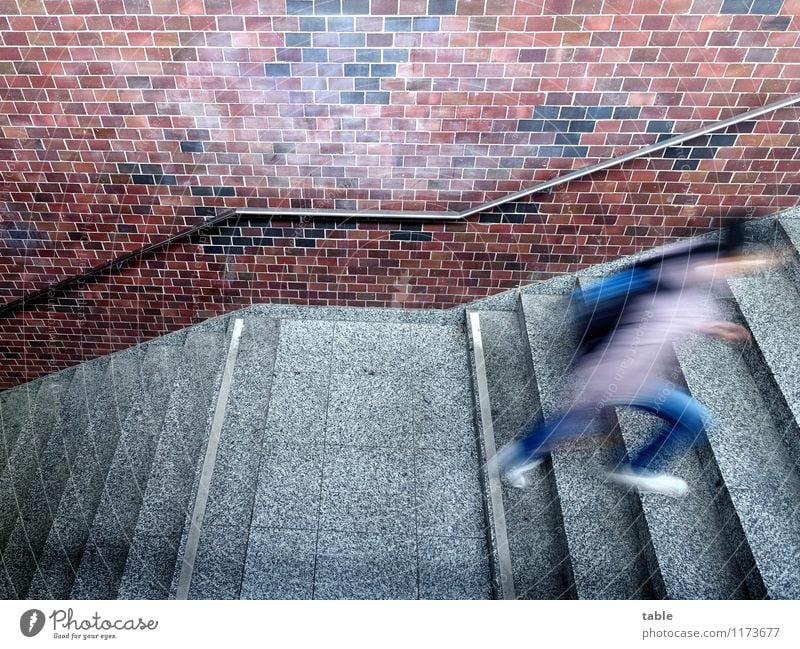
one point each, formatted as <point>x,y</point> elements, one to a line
<point>601,524</point>
<point>117,509</point>
<point>167,494</point>
<point>763,482</point>
<point>539,554</point>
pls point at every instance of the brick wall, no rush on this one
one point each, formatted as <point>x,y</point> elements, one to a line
<point>124,121</point>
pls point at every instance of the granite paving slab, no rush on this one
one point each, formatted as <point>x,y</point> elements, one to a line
<point>353,565</point>
<point>220,561</point>
<point>298,407</point>
<point>100,571</point>
<point>369,410</point>
<point>453,568</point>
<point>367,490</point>
<point>442,410</point>
<point>279,564</point>
<point>305,346</point>
<point>448,493</point>
<point>289,486</point>
<point>370,348</point>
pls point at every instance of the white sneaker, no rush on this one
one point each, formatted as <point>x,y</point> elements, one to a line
<point>515,477</point>
<point>650,482</point>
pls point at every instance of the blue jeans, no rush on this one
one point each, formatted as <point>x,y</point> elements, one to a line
<point>685,423</point>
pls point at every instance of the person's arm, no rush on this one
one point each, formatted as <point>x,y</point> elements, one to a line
<point>725,330</point>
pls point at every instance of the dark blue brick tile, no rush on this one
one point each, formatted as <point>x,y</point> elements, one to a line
<point>559,125</point>
<point>760,54</point>
<point>356,70</point>
<point>531,125</point>
<point>397,24</point>
<point>368,84</point>
<point>205,211</point>
<point>283,147</point>
<point>685,165</point>
<point>368,56</point>
<point>314,233</point>
<point>426,24</point>
<point>551,151</point>
<point>599,112</point>
<point>703,140</point>
<point>200,190</point>
<point>352,40</point>
<point>143,179</point>
<point>225,191</point>
<point>355,7</point>
<point>165,179</point>
<point>383,70</point>
<point>722,139</point>
<point>626,112</point>
<point>127,168</point>
<point>411,227</point>
<point>677,152</point>
<point>568,138</point>
<point>573,112</point>
<point>213,250</point>
<point>315,55</point>
<point>191,147</point>
<point>278,70</point>
<point>735,6</point>
<point>312,25</point>
<point>352,97</point>
<point>766,7</point>
<point>742,127</point>
<point>663,136</point>
<point>576,151</point>
<point>704,153</point>
<point>341,25</point>
<point>660,126</point>
<point>546,112</point>
<point>776,23</point>
<point>298,39</point>
<point>305,243</point>
<point>581,126</point>
<point>395,55</point>
<point>242,241</point>
<point>410,236</point>
<point>443,7</point>
<point>377,98</point>
<point>299,7</point>
<point>151,168</point>
<point>327,7</point>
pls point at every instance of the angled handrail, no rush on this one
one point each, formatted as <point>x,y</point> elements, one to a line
<point>544,186</point>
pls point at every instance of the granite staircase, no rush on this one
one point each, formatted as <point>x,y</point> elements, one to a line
<point>307,452</point>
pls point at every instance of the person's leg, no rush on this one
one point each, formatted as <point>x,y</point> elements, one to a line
<point>685,424</point>
<point>538,437</point>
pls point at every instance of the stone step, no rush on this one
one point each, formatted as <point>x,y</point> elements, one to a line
<point>64,444</point>
<point>770,306</point>
<point>23,462</point>
<point>540,560</point>
<point>131,377</point>
<point>760,476</point>
<point>218,567</point>
<point>112,527</point>
<point>691,536</point>
<point>16,410</point>
<point>611,554</point>
<point>168,495</point>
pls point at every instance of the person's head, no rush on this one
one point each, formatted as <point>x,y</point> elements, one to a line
<point>728,256</point>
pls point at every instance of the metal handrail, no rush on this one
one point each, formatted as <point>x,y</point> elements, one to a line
<point>372,215</point>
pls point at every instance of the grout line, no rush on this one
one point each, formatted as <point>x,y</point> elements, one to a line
<point>193,540</point>
<point>487,432</point>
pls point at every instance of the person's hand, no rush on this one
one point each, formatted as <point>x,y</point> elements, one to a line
<point>728,331</point>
